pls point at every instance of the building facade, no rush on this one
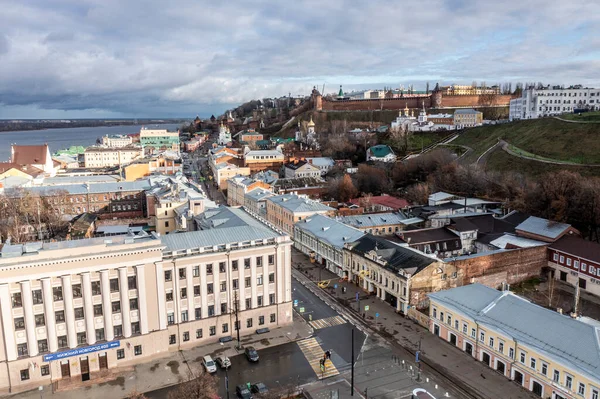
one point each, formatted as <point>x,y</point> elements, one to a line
<point>108,157</point>
<point>117,141</point>
<point>72,310</point>
<point>467,118</point>
<point>577,262</point>
<point>157,140</point>
<point>381,153</point>
<point>283,211</point>
<point>556,100</point>
<point>526,343</point>
<point>300,168</point>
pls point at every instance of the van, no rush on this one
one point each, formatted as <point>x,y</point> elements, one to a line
<point>209,364</point>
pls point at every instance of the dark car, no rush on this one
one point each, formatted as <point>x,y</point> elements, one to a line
<point>259,388</point>
<point>243,392</point>
<point>251,354</point>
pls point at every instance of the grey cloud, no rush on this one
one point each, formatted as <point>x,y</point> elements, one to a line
<point>4,44</point>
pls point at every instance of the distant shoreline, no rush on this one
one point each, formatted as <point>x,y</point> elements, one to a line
<point>6,126</point>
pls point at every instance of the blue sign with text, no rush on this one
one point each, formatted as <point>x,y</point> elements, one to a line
<point>81,351</point>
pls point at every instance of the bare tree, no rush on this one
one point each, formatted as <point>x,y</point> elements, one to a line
<point>203,386</point>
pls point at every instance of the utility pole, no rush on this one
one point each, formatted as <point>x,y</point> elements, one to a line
<point>237,323</point>
<point>418,359</point>
<point>226,383</point>
<point>352,362</point>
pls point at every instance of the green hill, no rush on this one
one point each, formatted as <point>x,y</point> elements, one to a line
<point>548,138</point>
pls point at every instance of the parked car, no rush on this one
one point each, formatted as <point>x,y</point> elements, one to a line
<point>259,388</point>
<point>209,364</point>
<point>243,392</point>
<point>223,362</point>
<point>251,354</point>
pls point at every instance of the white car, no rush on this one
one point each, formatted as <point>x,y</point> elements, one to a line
<point>223,362</point>
<point>209,364</point>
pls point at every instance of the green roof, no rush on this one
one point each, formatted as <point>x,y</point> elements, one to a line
<point>341,93</point>
<point>380,151</point>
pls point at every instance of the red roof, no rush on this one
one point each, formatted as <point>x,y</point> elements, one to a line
<point>30,170</point>
<point>384,200</point>
<point>29,154</point>
<point>577,246</point>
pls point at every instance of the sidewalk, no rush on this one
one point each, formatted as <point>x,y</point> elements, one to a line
<point>174,367</point>
<point>442,356</point>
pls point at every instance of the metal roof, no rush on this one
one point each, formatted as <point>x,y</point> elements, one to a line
<point>321,161</point>
<point>375,219</point>
<point>295,203</point>
<point>258,194</point>
<point>94,188</point>
<point>571,342</point>
<point>329,230</point>
<point>466,111</point>
<point>543,227</point>
<point>521,242</point>
<point>441,196</point>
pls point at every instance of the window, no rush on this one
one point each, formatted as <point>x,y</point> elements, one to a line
<point>196,290</point>
<point>259,300</point>
<point>199,333</point>
<point>222,267</point>
<point>169,296</point>
<point>209,288</point>
<point>491,342</point>
<point>37,297</point>
<point>595,393</point>
<point>24,374</point>
<point>184,316</point>
<point>198,313</point>
<point>581,389</point>
<point>259,280</point>
<point>166,223</point>
<point>522,357</point>
<point>562,259</point>
<point>131,283</point>
<point>532,363</point>
<point>271,299</point>
<point>225,327</point>
<point>247,282</point>
<point>45,370</point>
<point>213,330</point>
<point>76,290</point>
<point>59,316</point>
<point>172,339</point>
<point>118,331</point>
<point>449,319</point>
<point>272,318</point>
<point>120,354</point>
<point>81,339</point>
<point>211,310</point>
<point>62,341</point>
<point>79,313</point>
<point>544,368</point>
<point>249,323</point>
<point>137,350</point>
<point>248,303</point>
<point>556,376</point>
<point>97,311</point>
<point>261,320</point>
<point>569,382</point>
<point>247,263</point>
<point>181,274</point>
<point>170,318</point>
<point>442,316</point>
<point>99,334</point>
<point>456,324</point>
<point>168,276</point>
<point>135,328</point>
<point>114,285</point>
<point>511,353</point>
<point>258,261</point>
<point>434,313</point>
<point>183,293</point>
<point>568,261</point>
<point>234,265</point>
<point>501,347</point>
<point>482,336</point>
<point>43,345</point>
<point>16,300</point>
<point>57,293</point>
<point>20,323</point>
<point>133,304</point>
<point>235,283</point>
<point>223,308</point>
<point>209,270</point>
<point>96,288</point>
<point>583,266</point>
<point>116,306</point>
<point>223,286</point>
<point>464,328</point>
<point>272,278</point>
<point>271,259</point>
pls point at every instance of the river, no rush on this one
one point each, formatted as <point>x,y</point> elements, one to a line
<point>58,139</point>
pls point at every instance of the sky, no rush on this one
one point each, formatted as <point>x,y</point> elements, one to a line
<point>181,58</point>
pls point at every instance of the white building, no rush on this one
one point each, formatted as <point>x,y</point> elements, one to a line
<point>117,141</point>
<point>381,153</point>
<point>554,100</point>
<point>325,164</point>
<point>106,157</point>
<point>300,168</point>
<point>224,134</point>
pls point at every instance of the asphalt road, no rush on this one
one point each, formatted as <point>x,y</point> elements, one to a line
<point>285,365</point>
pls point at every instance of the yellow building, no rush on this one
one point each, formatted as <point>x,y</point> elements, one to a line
<point>467,118</point>
<point>284,211</point>
<point>106,157</point>
<point>551,354</point>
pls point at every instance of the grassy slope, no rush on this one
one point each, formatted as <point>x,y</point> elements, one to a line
<point>549,138</point>
<point>502,162</point>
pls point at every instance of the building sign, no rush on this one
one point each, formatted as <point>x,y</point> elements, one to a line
<point>81,351</point>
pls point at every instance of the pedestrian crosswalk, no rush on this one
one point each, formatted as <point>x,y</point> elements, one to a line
<point>327,322</point>
<point>314,353</point>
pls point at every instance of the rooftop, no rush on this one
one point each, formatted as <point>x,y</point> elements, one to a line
<point>295,203</point>
<point>383,200</point>
<point>29,154</point>
<point>541,329</point>
<point>579,247</point>
<point>374,219</point>
<point>508,241</point>
<point>425,236</point>
<point>329,230</point>
<point>94,188</point>
<point>466,111</point>
<point>543,227</point>
<point>380,151</point>
<point>297,182</point>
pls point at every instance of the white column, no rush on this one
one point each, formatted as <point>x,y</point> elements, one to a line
<point>217,288</point>
<point>142,301</point>
<point>254,300</point>
<point>86,286</point>
<point>32,345</point>
<point>160,289</point>
<point>279,282</point>
<point>266,280</point>
<point>69,310</point>
<point>287,269</point>
<point>109,333</point>
<point>49,314</point>
<point>125,313</point>
<point>7,323</point>
<point>190,292</point>
<point>203,291</point>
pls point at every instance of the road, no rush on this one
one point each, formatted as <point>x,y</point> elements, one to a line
<point>287,365</point>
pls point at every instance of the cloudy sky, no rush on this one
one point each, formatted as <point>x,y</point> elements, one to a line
<point>157,58</point>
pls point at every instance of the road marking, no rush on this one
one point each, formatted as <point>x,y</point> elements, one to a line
<point>314,353</point>
<point>327,322</point>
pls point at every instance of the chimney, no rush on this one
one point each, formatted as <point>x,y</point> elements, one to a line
<point>559,310</point>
